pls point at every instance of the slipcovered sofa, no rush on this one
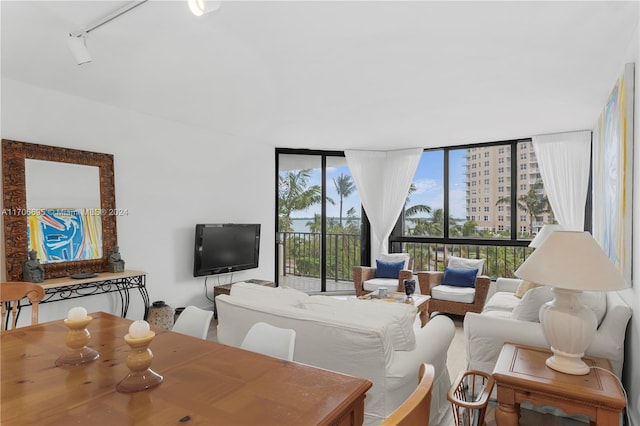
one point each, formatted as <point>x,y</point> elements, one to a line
<point>376,340</point>
<point>507,318</point>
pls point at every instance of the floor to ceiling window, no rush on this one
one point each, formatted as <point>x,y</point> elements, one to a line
<point>478,201</point>
<point>481,201</point>
<point>319,221</point>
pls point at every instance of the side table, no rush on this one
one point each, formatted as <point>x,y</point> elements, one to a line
<point>226,289</point>
<point>521,375</point>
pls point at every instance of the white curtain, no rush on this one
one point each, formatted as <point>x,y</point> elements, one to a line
<point>383,179</point>
<point>563,159</point>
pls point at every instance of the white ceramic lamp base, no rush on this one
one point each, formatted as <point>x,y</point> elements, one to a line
<point>569,327</point>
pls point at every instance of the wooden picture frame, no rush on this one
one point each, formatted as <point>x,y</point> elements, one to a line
<point>14,213</point>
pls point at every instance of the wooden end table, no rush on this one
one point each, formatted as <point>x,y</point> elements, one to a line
<point>522,375</point>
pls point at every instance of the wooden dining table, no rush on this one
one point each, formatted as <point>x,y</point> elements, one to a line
<point>205,383</point>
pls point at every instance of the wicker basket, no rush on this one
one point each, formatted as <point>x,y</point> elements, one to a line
<point>469,396</point>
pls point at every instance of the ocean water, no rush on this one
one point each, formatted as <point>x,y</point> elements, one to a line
<point>299,224</point>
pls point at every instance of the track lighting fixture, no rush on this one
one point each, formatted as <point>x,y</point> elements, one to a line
<point>78,46</point>
<point>201,7</point>
<point>78,40</point>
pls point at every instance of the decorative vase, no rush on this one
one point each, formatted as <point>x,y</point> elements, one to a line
<point>409,287</point>
<point>161,315</point>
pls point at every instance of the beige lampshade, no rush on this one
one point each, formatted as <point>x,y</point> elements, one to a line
<point>571,260</point>
<point>544,232</point>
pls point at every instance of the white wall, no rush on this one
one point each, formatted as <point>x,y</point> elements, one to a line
<point>168,177</point>
<point>632,295</point>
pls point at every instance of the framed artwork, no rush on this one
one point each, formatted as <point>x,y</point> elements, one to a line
<point>63,235</point>
<point>16,212</point>
<point>613,174</point>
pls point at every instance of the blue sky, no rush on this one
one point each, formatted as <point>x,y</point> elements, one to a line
<point>428,180</point>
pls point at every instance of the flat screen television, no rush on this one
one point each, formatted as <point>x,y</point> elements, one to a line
<point>224,248</point>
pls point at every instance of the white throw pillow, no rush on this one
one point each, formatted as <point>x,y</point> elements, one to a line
<point>528,309</point>
<point>523,287</point>
<point>398,317</point>
<point>396,257</point>
<point>463,263</point>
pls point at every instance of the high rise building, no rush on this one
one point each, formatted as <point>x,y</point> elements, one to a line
<point>489,189</point>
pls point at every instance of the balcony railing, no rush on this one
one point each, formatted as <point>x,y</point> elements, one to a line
<point>500,261</point>
<point>299,255</point>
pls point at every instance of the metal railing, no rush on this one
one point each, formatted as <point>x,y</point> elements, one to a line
<point>300,255</point>
<point>500,260</point>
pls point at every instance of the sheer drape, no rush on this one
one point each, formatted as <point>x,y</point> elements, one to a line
<point>563,159</point>
<point>383,179</point>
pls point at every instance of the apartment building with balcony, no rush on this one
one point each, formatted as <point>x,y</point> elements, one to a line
<point>488,189</point>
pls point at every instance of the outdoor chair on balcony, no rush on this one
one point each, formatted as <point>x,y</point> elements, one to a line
<point>461,288</point>
<point>390,272</point>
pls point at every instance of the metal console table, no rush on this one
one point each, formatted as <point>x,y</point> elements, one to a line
<point>105,282</point>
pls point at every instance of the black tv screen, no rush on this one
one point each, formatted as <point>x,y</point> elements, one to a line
<point>224,248</point>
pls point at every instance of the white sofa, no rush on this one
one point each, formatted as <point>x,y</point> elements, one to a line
<point>485,333</point>
<point>376,340</point>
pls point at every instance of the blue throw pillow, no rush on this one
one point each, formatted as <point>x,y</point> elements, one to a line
<point>460,277</point>
<point>388,269</point>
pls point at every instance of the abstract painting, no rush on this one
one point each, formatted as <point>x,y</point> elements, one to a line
<point>62,235</point>
<point>613,174</point>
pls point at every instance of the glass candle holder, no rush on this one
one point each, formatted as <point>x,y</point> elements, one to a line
<point>140,376</point>
<point>77,351</point>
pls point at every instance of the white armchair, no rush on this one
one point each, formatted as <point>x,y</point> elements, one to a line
<point>365,278</point>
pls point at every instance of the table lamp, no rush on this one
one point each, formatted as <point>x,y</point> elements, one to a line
<point>570,262</point>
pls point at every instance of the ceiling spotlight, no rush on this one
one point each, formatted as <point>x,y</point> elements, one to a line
<point>201,7</point>
<point>78,39</point>
<point>78,46</point>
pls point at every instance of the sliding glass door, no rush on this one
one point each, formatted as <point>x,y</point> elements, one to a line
<point>318,221</point>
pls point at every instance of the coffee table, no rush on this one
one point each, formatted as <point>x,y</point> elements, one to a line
<point>420,301</point>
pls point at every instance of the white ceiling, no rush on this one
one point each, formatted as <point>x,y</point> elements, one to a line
<point>335,74</point>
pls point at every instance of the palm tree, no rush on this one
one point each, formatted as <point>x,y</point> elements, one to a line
<point>353,223</point>
<point>315,225</point>
<point>436,223</point>
<point>411,212</point>
<point>532,203</point>
<point>344,188</point>
<point>293,195</point>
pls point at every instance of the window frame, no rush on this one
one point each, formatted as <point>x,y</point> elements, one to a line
<point>396,239</point>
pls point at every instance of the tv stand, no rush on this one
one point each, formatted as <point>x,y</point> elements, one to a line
<point>226,289</point>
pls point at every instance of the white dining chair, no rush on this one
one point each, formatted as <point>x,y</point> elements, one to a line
<point>270,340</point>
<point>194,322</point>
